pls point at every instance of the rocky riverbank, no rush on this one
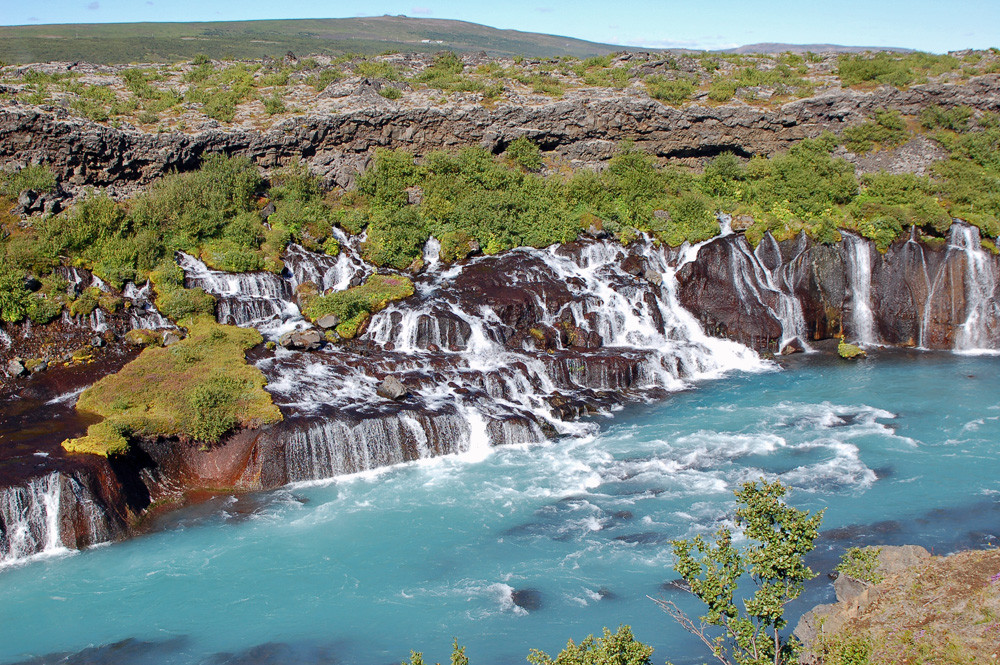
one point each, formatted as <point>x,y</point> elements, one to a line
<point>915,608</point>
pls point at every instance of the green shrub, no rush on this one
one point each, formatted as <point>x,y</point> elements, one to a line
<point>34,176</point>
<point>671,91</point>
<point>722,89</point>
<point>389,92</point>
<point>395,238</point>
<point>861,564</point>
<point>376,69</point>
<point>881,67</point>
<point>955,118</point>
<point>274,105</point>
<point>177,304</point>
<point>887,129</point>
<point>619,648</point>
<point>523,152</point>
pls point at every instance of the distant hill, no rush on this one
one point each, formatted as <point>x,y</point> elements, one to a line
<point>771,47</point>
<point>112,43</point>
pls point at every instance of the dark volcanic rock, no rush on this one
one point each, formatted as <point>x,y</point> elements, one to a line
<point>529,599</point>
<point>306,340</point>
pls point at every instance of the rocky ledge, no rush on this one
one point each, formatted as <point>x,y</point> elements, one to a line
<point>585,128</point>
<point>924,609</point>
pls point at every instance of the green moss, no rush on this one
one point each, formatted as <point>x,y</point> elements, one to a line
<point>849,351</point>
<point>143,337</point>
<point>886,130</point>
<point>86,303</point>
<point>354,305</point>
<point>196,390</point>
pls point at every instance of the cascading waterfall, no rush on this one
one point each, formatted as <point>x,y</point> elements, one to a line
<point>29,519</point>
<point>982,309</point>
<point>142,313</point>
<point>477,379</point>
<point>859,278</point>
<point>768,288</point>
<point>258,299</point>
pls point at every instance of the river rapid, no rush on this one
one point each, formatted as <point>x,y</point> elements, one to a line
<point>899,448</point>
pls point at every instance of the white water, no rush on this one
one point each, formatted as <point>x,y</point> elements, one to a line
<point>29,517</point>
<point>982,309</point>
<point>859,278</point>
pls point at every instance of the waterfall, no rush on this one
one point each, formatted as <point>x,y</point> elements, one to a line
<point>982,309</point>
<point>142,313</point>
<point>258,299</point>
<point>497,350</point>
<point>859,278</point>
<point>29,519</point>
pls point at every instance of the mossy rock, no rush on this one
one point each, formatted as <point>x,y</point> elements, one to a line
<point>196,390</point>
<point>349,305</point>
<point>850,351</point>
<point>143,337</point>
<point>101,439</point>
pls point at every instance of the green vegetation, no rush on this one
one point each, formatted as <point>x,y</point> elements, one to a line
<point>861,563</point>
<point>849,351</point>
<point>355,305</point>
<point>195,390</point>
<point>34,176</point>
<point>779,538</point>
<point>886,130</point>
<point>672,91</point>
<point>212,212</point>
<point>619,648</point>
<point>899,70</point>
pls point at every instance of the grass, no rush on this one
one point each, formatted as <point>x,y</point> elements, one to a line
<point>196,390</point>
<point>355,305</point>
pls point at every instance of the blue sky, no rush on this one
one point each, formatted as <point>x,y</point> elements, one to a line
<point>930,25</point>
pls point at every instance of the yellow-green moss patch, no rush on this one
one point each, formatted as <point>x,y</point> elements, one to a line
<point>355,305</point>
<point>196,390</point>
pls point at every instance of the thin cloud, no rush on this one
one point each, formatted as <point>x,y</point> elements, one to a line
<point>94,6</point>
<point>421,11</point>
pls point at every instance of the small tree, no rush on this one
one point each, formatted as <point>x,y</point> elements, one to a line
<point>779,538</point>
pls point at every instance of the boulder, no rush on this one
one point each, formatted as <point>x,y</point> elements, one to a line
<point>328,321</point>
<point>170,338</point>
<point>528,599</point>
<point>97,341</point>
<point>305,340</point>
<point>653,277</point>
<point>634,265</point>
<point>392,388</point>
<point>794,346</point>
<point>16,369</point>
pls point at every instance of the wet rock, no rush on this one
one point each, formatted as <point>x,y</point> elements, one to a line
<point>529,599</point>
<point>97,341</point>
<point>267,211</point>
<point>634,265</point>
<point>170,338</point>
<point>392,388</point>
<point>794,346</point>
<point>304,340</point>
<point>653,277</point>
<point>31,284</point>
<point>328,321</point>
<point>16,369</point>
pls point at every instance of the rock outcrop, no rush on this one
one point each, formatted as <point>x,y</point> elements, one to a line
<point>581,127</point>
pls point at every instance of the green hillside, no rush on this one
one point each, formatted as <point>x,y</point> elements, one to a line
<point>171,42</point>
